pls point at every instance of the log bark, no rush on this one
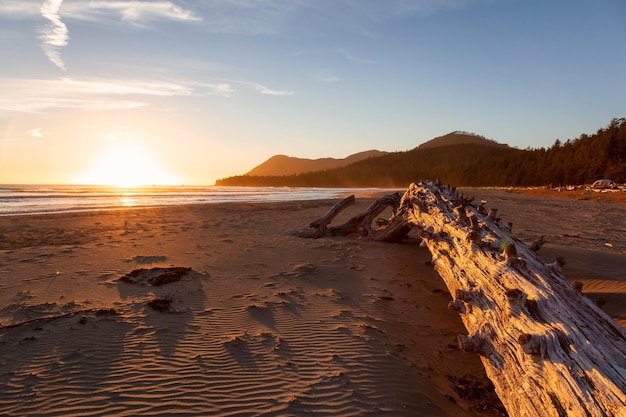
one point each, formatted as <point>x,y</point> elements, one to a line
<point>548,349</point>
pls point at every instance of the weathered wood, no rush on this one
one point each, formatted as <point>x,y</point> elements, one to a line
<point>321,225</point>
<point>362,223</point>
<point>548,349</point>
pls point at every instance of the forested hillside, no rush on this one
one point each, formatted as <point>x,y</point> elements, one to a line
<point>288,165</point>
<point>579,161</point>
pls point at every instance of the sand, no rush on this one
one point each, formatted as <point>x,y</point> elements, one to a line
<point>253,320</point>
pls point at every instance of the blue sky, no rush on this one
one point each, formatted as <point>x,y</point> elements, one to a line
<point>204,89</point>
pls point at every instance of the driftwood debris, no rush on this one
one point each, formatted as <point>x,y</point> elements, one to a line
<point>548,349</point>
<point>361,224</point>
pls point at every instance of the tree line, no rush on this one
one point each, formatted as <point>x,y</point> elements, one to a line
<point>579,161</point>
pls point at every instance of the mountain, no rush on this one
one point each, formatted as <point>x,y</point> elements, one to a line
<point>464,159</point>
<point>449,156</point>
<point>459,137</point>
<point>282,165</point>
<point>279,165</point>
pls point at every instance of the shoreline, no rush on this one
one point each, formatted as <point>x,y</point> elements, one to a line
<point>69,199</point>
<point>612,196</point>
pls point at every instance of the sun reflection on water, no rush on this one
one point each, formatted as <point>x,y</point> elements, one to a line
<point>128,201</point>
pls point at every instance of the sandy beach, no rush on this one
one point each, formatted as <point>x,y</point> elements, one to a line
<point>224,310</point>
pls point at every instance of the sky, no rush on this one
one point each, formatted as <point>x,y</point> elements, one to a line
<point>189,91</point>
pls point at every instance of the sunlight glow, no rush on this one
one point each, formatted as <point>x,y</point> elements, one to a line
<point>126,167</point>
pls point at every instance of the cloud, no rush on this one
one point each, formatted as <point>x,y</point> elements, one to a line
<point>40,103</point>
<point>361,60</point>
<point>36,133</point>
<point>219,89</point>
<point>328,78</point>
<point>122,87</point>
<point>265,90</point>
<point>20,8</point>
<point>254,17</point>
<point>43,95</point>
<point>54,35</point>
<point>249,17</point>
<point>128,11</point>
<point>40,95</point>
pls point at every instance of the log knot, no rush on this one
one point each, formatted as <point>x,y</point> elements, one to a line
<point>516,300</point>
<point>530,343</point>
<point>468,296</point>
<point>543,345</point>
<point>475,343</point>
<point>480,342</point>
<point>537,244</point>
<point>557,265</point>
<point>534,311</point>
<point>458,306</point>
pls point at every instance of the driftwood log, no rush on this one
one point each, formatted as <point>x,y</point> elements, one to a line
<point>361,224</point>
<point>548,349</point>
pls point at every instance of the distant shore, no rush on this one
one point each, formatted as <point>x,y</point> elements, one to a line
<point>579,193</point>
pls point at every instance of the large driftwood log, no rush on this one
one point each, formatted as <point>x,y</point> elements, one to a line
<point>548,350</point>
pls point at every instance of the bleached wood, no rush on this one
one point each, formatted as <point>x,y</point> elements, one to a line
<point>548,350</point>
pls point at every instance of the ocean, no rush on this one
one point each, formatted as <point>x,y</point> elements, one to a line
<point>42,199</point>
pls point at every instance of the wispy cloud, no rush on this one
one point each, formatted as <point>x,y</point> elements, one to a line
<point>328,78</point>
<point>276,16</point>
<point>404,7</point>
<point>250,17</point>
<point>134,12</point>
<point>20,8</point>
<point>337,51</point>
<point>44,95</point>
<point>41,95</point>
<point>357,59</point>
<point>265,90</point>
<point>54,35</point>
<point>35,133</point>
<point>218,89</point>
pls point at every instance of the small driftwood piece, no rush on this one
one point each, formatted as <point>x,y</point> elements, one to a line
<point>549,350</point>
<point>321,225</point>
<point>361,224</point>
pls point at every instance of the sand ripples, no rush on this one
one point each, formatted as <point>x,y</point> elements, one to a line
<point>282,350</point>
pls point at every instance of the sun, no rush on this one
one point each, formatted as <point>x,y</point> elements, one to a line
<point>126,166</point>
